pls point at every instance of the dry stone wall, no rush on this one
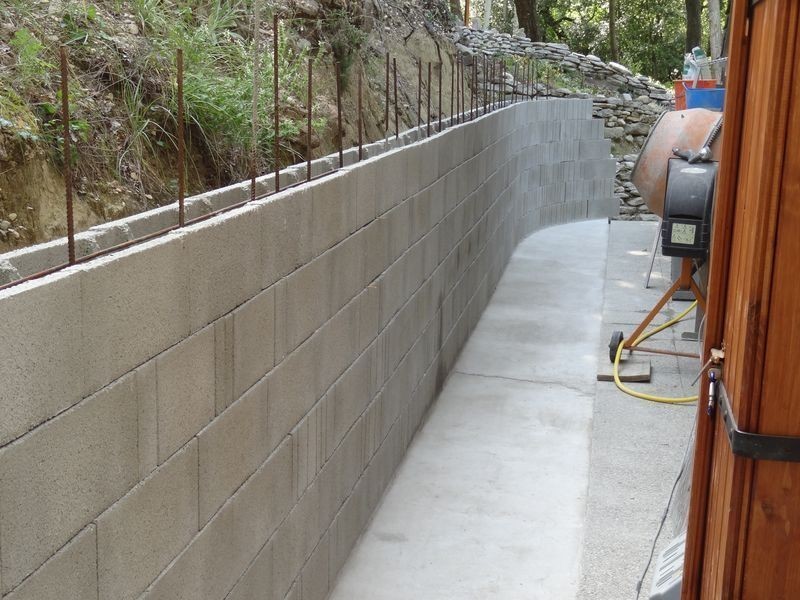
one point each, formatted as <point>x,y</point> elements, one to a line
<point>214,414</point>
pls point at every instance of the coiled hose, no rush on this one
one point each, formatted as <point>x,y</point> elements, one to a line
<point>641,395</point>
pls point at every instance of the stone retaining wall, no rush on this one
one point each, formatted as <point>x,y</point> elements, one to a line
<point>214,414</point>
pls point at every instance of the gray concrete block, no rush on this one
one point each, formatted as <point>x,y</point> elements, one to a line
<point>231,448</point>
<point>338,346</point>
<point>368,315</point>
<point>219,555</point>
<point>314,577</point>
<point>253,340</point>
<point>139,535</point>
<point>147,397</point>
<point>367,176</point>
<point>287,234</point>
<point>223,362</point>
<point>307,302</point>
<point>392,288</point>
<point>393,178</point>
<point>292,390</point>
<point>376,250</point>
<point>397,226</point>
<point>599,209</point>
<point>224,260</point>
<point>133,307</point>
<point>41,364</point>
<point>186,390</point>
<point>62,475</point>
<point>256,583</point>
<point>295,539</point>
<point>351,395</point>
<point>347,263</point>
<point>333,212</point>
<point>70,574</point>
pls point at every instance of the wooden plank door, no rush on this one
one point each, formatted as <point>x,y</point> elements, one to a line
<point>744,525</point>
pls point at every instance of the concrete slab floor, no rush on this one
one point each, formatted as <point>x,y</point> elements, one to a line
<point>509,491</point>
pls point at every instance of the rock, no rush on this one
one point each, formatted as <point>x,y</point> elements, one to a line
<point>636,201</point>
<point>614,133</point>
<point>309,8</point>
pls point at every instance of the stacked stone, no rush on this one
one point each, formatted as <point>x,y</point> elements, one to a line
<point>608,75</point>
<point>628,121</point>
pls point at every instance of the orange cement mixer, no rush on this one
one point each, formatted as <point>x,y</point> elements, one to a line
<point>690,129</point>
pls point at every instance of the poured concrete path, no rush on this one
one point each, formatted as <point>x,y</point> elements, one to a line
<point>490,500</point>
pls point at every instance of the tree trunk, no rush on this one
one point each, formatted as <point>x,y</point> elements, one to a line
<point>612,30</point>
<point>694,28</point>
<point>455,8</point>
<point>528,15</point>
<point>487,14</point>
<point>715,28</point>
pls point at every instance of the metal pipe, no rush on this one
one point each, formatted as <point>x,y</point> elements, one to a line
<point>276,91</point>
<point>256,95</point>
<point>360,120</point>
<point>309,116</point>
<point>419,93</point>
<point>429,99</point>
<point>441,68</point>
<point>339,114</point>
<point>181,142</point>
<point>386,117</point>
<point>67,153</point>
<point>396,110</point>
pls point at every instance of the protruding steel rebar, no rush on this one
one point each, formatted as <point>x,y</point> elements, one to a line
<point>309,117</point>
<point>441,67</point>
<point>485,86</point>
<point>360,120</point>
<point>452,92</point>
<point>429,99</point>
<point>396,109</point>
<point>276,91</point>
<point>419,93</point>
<point>463,106</point>
<point>457,67</point>
<point>514,88</point>
<point>181,142</point>
<point>256,96</point>
<point>386,116</point>
<point>339,114</point>
<point>67,154</point>
<point>475,98</point>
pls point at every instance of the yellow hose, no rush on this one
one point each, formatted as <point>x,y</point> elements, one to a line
<point>650,397</point>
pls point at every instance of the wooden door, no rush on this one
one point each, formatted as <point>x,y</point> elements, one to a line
<point>744,523</point>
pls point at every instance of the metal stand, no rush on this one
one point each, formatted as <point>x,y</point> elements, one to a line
<point>684,282</point>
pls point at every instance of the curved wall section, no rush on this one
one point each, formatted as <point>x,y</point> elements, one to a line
<point>215,413</point>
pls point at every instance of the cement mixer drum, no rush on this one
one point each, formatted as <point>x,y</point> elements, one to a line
<point>683,129</point>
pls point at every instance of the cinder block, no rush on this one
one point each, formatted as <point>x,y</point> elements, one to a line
<point>333,212</point>
<point>186,389</point>
<point>376,250</point>
<point>62,475</point>
<point>292,390</point>
<point>295,539</point>
<point>367,190</point>
<point>347,262</point>
<point>253,340</point>
<point>256,583</point>
<point>314,577</point>
<point>134,306</point>
<point>139,535</point>
<point>392,166</point>
<point>223,362</point>
<point>351,395</point>
<point>147,395</point>
<point>397,225</point>
<point>391,285</point>
<point>286,230</point>
<point>71,573</point>
<point>41,364</point>
<point>231,448</point>
<point>338,344</point>
<point>307,303</point>
<point>368,315</point>
<point>220,554</point>
<point>224,259</point>
<point>599,209</point>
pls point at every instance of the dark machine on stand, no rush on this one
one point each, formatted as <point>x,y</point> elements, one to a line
<point>676,174</point>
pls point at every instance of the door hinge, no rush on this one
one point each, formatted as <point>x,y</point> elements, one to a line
<point>755,446</point>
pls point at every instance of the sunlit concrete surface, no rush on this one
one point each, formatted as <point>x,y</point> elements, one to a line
<point>490,501</point>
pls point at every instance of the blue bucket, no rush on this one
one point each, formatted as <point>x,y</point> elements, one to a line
<point>710,98</point>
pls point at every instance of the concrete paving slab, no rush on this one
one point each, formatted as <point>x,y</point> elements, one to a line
<point>490,500</point>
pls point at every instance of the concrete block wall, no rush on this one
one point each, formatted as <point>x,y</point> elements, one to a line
<point>215,414</point>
